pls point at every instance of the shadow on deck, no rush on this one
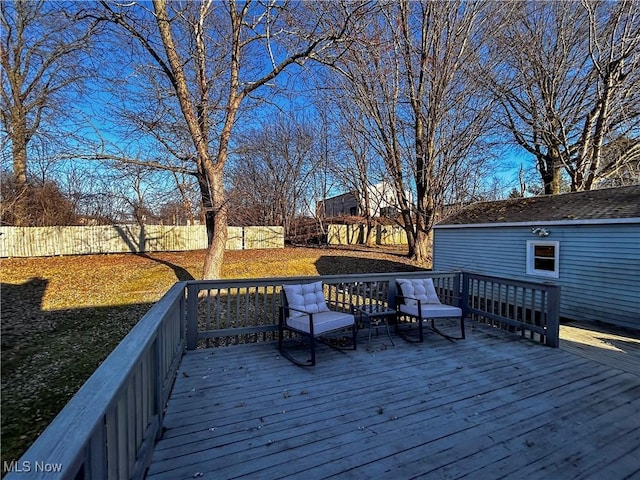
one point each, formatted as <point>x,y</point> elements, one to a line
<point>490,406</point>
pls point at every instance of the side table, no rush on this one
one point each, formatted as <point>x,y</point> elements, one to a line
<point>373,315</point>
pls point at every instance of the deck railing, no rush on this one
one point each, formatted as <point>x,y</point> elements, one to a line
<point>109,428</point>
<point>531,309</point>
<point>245,311</point>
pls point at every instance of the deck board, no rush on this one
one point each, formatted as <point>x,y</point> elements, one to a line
<point>616,347</point>
<point>490,406</point>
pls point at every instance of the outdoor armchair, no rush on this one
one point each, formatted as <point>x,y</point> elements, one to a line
<point>417,302</point>
<point>304,310</point>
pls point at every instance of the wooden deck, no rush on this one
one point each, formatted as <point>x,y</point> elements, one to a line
<point>491,406</point>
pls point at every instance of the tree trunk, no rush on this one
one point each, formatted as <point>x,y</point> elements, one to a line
<point>369,235</point>
<point>423,248</point>
<point>19,147</point>
<point>212,268</point>
<point>556,182</point>
<point>550,168</point>
<point>207,205</point>
<point>214,258</point>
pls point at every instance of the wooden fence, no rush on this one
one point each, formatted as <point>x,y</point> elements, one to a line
<point>356,234</point>
<point>52,241</point>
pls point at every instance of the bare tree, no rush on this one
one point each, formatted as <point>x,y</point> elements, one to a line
<point>355,166</point>
<point>440,43</point>
<point>328,161</point>
<point>271,171</point>
<point>371,89</point>
<point>44,204</point>
<point>414,80</point>
<point>609,141</point>
<point>255,43</point>
<point>41,51</point>
<point>567,80</point>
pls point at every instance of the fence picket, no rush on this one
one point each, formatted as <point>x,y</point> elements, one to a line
<point>100,239</point>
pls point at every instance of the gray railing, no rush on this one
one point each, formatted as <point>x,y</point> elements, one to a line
<point>109,428</point>
<point>530,309</point>
<point>245,311</point>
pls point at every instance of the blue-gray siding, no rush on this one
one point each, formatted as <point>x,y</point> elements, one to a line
<point>599,264</point>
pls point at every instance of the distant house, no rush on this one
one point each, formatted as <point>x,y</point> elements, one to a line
<point>382,203</point>
<point>586,242</point>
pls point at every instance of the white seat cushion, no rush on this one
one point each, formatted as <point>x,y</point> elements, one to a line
<point>418,288</point>
<point>431,310</point>
<point>322,322</point>
<point>308,297</point>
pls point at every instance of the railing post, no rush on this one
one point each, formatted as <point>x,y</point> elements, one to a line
<point>192,316</point>
<point>183,317</point>
<point>393,291</point>
<point>456,289</point>
<point>464,293</point>
<point>95,466</point>
<point>158,381</point>
<point>553,316</point>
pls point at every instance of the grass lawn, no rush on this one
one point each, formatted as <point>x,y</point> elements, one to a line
<point>62,316</point>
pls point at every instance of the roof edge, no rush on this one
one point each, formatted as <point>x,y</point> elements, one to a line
<point>596,221</point>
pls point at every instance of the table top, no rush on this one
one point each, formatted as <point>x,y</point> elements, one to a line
<point>374,309</point>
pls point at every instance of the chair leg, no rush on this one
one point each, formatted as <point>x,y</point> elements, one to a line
<point>309,363</point>
<point>448,337</point>
<point>312,346</point>
<point>290,357</point>
<point>354,336</point>
<point>409,338</point>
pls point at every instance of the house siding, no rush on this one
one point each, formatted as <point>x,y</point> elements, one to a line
<point>381,196</point>
<point>341,205</point>
<point>599,268</point>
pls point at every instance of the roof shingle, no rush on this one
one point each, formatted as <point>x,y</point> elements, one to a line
<point>608,203</point>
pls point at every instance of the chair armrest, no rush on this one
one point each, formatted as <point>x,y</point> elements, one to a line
<point>286,313</point>
<point>400,299</point>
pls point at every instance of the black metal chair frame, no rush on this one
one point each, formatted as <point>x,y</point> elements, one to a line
<point>400,300</point>
<point>282,326</point>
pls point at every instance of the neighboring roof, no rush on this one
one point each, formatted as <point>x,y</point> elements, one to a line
<point>351,194</point>
<point>608,203</point>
